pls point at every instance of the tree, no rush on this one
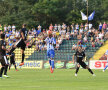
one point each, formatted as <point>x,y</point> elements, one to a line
<point>44,12</point>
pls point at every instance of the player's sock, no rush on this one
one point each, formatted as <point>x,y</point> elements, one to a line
<point>52,64</point>
<point>1,72</point>
<point>77,69</point>
<point>11,50</point>
<point>9,67</point>
<point>105,67</point>
<point>15,67</point>
<point>90,71</point>
<point>5,72</point>
<point>23,55</point>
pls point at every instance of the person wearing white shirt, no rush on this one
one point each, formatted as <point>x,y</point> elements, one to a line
<point>90,25</point>
<point>5,28</point>
<point>9,27</point>
<point>100,35</point>
<point>39,27</point>
<point>13,27</point>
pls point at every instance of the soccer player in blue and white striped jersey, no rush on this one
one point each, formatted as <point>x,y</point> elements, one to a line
<point>51,42</point>
<point>107,61</point>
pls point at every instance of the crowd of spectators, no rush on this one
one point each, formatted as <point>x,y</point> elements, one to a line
<point>83,33</point>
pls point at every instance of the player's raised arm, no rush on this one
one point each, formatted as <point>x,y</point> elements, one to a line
<point>54,42</point>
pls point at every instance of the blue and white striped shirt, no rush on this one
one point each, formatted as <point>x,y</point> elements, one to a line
<point>50,42</point>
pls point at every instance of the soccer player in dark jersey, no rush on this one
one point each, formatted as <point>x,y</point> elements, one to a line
<point>80,55</point>
<point>21,43</point>
<point>3,58</point>
<point>12,61</point>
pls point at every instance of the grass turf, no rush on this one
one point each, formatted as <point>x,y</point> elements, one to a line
<point>61,79</point>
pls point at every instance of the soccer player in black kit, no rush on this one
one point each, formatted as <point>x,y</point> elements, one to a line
<point>21,42</point>
<point>12,61</point>
<point>80,55</point>
<point>3,58</point>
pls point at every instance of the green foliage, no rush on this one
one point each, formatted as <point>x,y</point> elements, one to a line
<point>44,12</point>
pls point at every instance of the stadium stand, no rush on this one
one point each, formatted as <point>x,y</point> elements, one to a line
<point>65,52</point>
<point>90,40</point>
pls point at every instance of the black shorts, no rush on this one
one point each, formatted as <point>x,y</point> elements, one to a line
<point>12,62</point>
<point>21,44</point>
<point>4,61</point>
<point>83,64</point>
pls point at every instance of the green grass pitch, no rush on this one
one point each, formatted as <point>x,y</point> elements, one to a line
<point>61,79</point>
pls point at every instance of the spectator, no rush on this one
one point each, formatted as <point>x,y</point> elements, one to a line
<point>101,35</point>
<point>85,39</point>
<point>57,45</point>
<point>97,39</point>
<point>104,26</point>
<point>90,26</point>
<point>74,47</point>
<point>72,33</point>
<point>9,27</point>
<point>72,27</point>
<point>75,32</point>
<point>81,26</point>
<point>5,28</point>
<point>81,30</point>
<point>10,43</point>
<point>79,37</point>
<point>55,27</point>
<point>13,28</point>
<point>64,26</point>
<point>67,35</point>
<point>51,27</point>
<point>84,47</point>
<point>60,40</point>
<point>93,44</point>
<point>39,27</point>
<point>86,26</point>
<point>77,27</point>
<point>100,27</point>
